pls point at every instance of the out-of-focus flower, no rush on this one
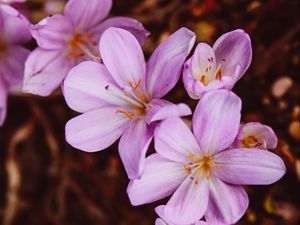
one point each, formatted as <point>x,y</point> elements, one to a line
<point>204,177</point>
<point>123,95</point>
<point>12,1</point>
<point>14,31</point>
<point>255,135</point>
<point>66,40</point>
<point>218,67</point>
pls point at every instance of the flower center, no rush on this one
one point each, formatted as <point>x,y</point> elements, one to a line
<point>200,166</point>
<point>133,94</point>
<point>81,45</point>
<point>210,74</point>
<point>251,141</point>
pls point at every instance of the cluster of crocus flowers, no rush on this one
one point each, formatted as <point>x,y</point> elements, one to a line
<point>201,169</point>
<point>68,39</point>
<point>104,76</point>
<point>14,32</point>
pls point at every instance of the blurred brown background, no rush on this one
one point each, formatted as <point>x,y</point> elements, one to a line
<point>45,181</point>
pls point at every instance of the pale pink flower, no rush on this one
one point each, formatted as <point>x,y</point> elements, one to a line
<point>204,176</point>
<point>66,40</point>
<point>122,97</point>
<point>219,67</point>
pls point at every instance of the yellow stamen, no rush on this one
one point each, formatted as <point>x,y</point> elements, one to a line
<point>127,114</point>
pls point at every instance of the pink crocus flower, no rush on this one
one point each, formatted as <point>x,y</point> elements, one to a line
<point>199,169</point>
<point>122,97</point>
<point>66,40</point>
<point>14,31</point>
<point>218,67</point>
<point>255,135</point>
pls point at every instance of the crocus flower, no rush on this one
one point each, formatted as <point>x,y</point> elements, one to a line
<point>218,67</point>
<point>255,135</point>
<point>66,40</point>
<point>199,169</point>
<point>14,31</point>
<point>123,95</point>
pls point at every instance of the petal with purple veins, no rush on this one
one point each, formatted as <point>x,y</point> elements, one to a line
<point>227,203</point>
<point>165,64</point>
<point>249,166</point>
<point>86,15</point>
<point>160,179</point>
<point>96,130</point>
<point>234,53</point>
<point>123,57</point>
<point>216,120</point>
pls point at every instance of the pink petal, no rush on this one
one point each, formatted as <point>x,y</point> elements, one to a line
<point>234,52</point>
<point>189,203</point>
<point>161,109</point>
<point>165,64</point>
<point>15,26</point>
<point>203,61</point>
<point>86,15</point>
<point>160,179</point>
<point>265,136</point>
<point>175,141</point>
<point>88,86</point>
<point>133,26</point>
<point>96,130</point>
<point>53,32</point>
<point>3,99</point>
<point>133,150</point>
<point>159,221</point>
<point>123,57</point>
<point>249,166</point>
<point>227,203</point>
<point>216,120</point>
<point>12,65</point>
<point>45,70</point>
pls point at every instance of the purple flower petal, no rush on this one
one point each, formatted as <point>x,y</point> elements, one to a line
<point>234,52</point>
<point>12,65</point>
<point>203,62</point>
<point>175,141</point>
<point>45,70</point>
<point>88,86</point>
<point>95,130</point>
<point>249,166</point>
<point>216,120</point>
<point>133,26</point>
<point>227,203</point>
<point>133,150</point>
<point>255,135</point>
<point>159,221</point>
<point>53,32</point>
<point>15,26</point>
<point>160,179</point>
<point>189,202</point>
<point>123,57</point>
<point>165,64</point>
<point>85,14</point>
<point>161,109</point>
<point>3,98</point>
